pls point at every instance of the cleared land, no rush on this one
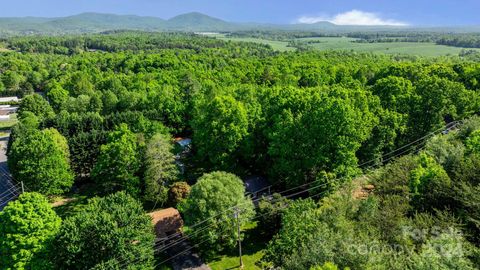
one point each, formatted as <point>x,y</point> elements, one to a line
<point>276,45</point>
<point>410,48</point>
<point>253,246</point>
<point>428,49</point>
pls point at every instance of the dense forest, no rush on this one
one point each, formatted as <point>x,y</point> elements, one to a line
<point>102,111</point>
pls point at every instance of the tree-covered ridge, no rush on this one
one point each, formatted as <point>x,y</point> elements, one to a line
<point>114,41</point>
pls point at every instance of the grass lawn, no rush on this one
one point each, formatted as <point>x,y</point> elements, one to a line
<point>69,205</point>
<point>252,248</point>
<point>409,48</point>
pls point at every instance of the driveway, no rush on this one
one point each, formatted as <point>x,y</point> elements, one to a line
<point>8,191</point>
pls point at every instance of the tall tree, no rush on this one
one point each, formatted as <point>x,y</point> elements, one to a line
<point>429,183</point>
<point>57,96</point>
<point>218,128</point>
<point>160,168</point>
<point>41,159</point>
<point>27,227</point>
<point>320,133</point>
<point>37,105</point>
<point>213,200</point>
<point>110,231</point>
<point>118,163</point>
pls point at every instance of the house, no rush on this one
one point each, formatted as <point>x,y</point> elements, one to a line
<point>166,222</point>
<point>183,144</point>
<point>183,148</point>
<point>257,186</point>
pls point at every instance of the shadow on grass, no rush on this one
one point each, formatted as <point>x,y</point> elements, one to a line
<point>252,243</point>
<point>71,207</point>
<point>74,202</point>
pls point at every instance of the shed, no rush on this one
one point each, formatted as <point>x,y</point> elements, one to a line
<point>166,222</point>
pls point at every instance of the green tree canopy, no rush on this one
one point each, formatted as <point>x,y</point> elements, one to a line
<point>395,93</point>
<point>41,159</point>
<point>57,96</point>
<point>27,227</point>
<point>160,168</point>
<point>333,125</point>
<point>473,142</point>
<point>118,163</point>
<point>213,199</point>
<point>428,175</point>
<point>219,127</point>
<point>37,105</point>
<point>113,230</point>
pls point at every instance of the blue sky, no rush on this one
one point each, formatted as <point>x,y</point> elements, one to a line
<point>412,12</point>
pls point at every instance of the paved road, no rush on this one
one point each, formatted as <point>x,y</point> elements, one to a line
<point>184,257</point>
<point>7,191</point>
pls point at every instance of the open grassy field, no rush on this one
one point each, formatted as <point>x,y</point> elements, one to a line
<point>276,45</point>
<point>410,48</point>
<point>344,43</point>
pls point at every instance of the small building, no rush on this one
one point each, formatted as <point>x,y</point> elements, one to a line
<point>184,144</point>
<point>166,222</point>
<point>183,148</point>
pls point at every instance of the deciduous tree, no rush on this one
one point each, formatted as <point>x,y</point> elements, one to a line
<point>213,200</point>
<point>41,159</point>
<point>27,227</point>
<point>113,231</point>
<point>160,168</point>
<point>118,163</point>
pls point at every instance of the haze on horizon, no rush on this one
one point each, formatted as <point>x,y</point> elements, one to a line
<point>342,12</point>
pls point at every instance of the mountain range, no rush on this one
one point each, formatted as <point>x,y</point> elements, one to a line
<point>191,22</point>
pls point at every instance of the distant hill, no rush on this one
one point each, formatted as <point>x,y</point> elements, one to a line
<point>97,22</point>
<point>89,22</point>
<point>191,22</point>
<point>198,22</point>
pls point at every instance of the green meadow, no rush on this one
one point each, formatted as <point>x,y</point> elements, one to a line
<point>427,49</point>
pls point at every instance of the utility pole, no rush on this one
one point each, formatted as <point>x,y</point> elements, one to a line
<point>237,216</point>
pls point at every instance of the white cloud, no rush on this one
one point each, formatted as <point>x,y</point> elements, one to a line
<point>353,17</point>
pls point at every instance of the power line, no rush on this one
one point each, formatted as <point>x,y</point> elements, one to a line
<point>255,217</point>
<point>419,143</point>
<point>7,190</point>
<point>415,143</point>
<point>435,132</point>
<point>186,237</point>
